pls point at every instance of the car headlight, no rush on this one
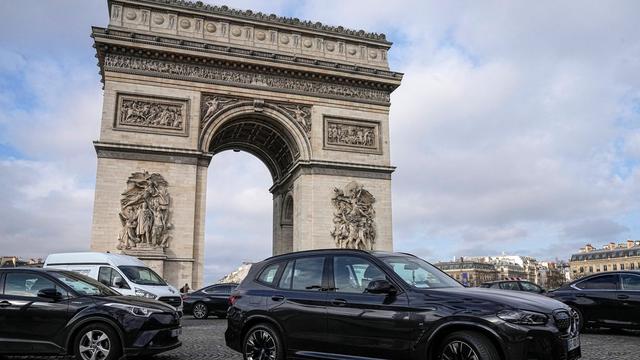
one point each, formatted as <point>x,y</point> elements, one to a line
<point>135,310</point>
<point>523,317</point>
<point>145,294</point>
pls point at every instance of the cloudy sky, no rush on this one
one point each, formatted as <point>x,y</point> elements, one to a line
<point>516,128</point>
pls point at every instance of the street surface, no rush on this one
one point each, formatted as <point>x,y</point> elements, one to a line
<point>204,339</point>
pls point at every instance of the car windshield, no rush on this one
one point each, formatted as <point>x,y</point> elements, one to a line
<point>419,273</point>
<point>142,275</point>
<point>84,285</point>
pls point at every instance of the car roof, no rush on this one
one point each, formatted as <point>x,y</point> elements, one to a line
<point>616,272</point>
<point>375,253</point>
<point>92,257</point>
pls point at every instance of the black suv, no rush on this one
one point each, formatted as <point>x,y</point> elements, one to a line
<point>62,312</point>
<point>343,304</point>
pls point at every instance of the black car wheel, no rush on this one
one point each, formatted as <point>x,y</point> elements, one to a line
<point>97,342</point>
<point>467,345</point>
<point>200,311</point>
<point>262,342</point>
<point>580,317</point>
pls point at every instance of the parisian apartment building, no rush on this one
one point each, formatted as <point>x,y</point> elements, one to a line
<point>611,257</point>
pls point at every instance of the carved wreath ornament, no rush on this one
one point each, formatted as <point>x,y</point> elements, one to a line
<point>354,217</point>
<point>144,212</point>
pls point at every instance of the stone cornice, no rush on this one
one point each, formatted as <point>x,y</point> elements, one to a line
<point>208,68</point>
<point>105,35</point>
<point>111,150</point>
<point>270,19</point>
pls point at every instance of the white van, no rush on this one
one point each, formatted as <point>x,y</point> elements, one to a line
<point>126,274</point>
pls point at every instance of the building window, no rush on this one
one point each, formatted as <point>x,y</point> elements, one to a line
<point>581,269</point>
<point>590,269</point>
<point>598,269</point>
<point>605,267</point>
<point>621,266</point>
<point>632,266</point>
<point>615,267</point>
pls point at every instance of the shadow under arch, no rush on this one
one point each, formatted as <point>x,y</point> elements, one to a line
<point>262,130</point>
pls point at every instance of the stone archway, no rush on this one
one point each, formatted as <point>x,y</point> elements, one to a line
<point>184,81</point>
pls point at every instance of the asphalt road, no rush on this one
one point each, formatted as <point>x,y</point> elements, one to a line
<point>204,339</point>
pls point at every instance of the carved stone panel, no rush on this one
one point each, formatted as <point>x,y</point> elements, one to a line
<point>213,104</point>
<point>145,209</point>
<point>352,135</point>
<point>354,217</point>
<point>152,114</point>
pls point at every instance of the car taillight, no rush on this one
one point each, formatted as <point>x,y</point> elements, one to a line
<point>233,299</point>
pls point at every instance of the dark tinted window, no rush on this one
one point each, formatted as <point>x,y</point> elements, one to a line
<point>26,284</point>
<point>108,275</point>
<point>353,274</point>
<point>287,276</point>
<point>268,275</point>
<point>307,273</point>
<point>495,285</point>
<point>510,285</point>
<point>527,286</point>
<point>605,282</point>
<point>630,282</point>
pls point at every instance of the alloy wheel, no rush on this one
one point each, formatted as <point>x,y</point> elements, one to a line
<point>261,346</point>
<point>458,350</point>
<point>94,345</point>
<point>200,311</point>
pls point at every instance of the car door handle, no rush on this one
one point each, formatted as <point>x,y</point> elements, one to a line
<point>4,303</point>
<point>277,298</point>
<point>339,302</point>
<point>623,297</point>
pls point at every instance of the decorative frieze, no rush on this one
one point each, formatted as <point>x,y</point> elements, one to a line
<point>213,104</point>
<point>354,217</point>
<point>151,114</point>
<point>215,74</point>
<point>145,212</point>
<point>352,135</point>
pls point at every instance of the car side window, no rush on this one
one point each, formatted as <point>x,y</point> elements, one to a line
<point>353,274</point>
<point>527,286</point>
<point>268,275</point>
<point>287,275</point>
<point>495,286</point>
<point>26,284</point>
<point>104,275</point>
<point>307,273</point>
<point>510,285</point>
<point>219,290</point>
<point>604,282</point>
<point>630,282</point>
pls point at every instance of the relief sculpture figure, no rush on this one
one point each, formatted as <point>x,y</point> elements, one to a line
<point>354,217</point>
<point>145,212</point>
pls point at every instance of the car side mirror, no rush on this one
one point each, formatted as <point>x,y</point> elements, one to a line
<point>381,287</point>
<point>118,282</point>
<point>50,293</point>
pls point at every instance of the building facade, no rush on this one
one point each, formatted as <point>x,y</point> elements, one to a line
<point>469,273</point>
<point>612,257</point>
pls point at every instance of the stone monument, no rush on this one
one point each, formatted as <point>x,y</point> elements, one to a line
<point>184,81</point>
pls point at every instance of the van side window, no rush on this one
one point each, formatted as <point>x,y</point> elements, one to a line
<point>107,276</point>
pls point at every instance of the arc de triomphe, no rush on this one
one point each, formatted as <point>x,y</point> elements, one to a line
<point>184,81</point>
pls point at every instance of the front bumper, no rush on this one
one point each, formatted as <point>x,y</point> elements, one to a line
<point>153,342</point>
<point>537,343</point>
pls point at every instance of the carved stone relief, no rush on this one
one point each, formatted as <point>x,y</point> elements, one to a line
<point>352,135</point>
<point>151,114</point>
<point>145,212</point>
<point>354,217</point>
<point>130,64</point>
<point>213,104</point>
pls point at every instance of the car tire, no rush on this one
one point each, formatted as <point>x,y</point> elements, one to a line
<point>263,339</point>
<point>467,344</point>
<point>99,339</point>
<point>200,311</point>
<point>580,317</point>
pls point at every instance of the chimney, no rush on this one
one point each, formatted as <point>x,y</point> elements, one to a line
<point>588,248</point>
<point>612,246</point>
<point>630,244</point>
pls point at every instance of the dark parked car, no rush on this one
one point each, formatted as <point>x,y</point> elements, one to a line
<point>516,285</point>
<point>609,299</point>
<point>62,312</point>
<point>343,304</point>
<point>212,299</point>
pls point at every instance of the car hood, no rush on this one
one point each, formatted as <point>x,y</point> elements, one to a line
<point>137,301</point>
<point>502,298</point>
